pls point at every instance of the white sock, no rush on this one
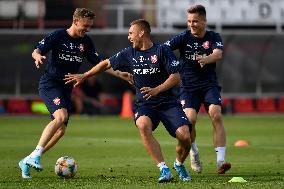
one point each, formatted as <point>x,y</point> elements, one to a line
<point>178,163</point>
<point>220,151</point>
<point>194,149</point>
<point>162,165</point>
<point>37,152</point>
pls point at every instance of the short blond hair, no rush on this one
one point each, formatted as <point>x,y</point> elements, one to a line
<point>199,9</point>
<point>143,24</point>
<point>83,13</point>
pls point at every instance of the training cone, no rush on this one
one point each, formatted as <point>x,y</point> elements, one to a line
<point>126,108</point>
<point>237,179</point>
<point>241,143</point>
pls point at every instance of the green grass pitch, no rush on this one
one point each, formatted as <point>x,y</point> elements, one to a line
<point>109,154</point>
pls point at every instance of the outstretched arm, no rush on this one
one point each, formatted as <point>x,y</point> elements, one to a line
<point>122,75</point>
<point>172,81</point>
<point>79,78</point>
<point>36,54</point>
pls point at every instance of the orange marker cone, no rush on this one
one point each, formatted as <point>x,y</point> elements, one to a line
<point>241,143</point>
<point>126,109</point>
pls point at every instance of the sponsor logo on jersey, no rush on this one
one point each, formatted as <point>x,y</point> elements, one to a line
<point>219,44</point>
<point>145,71</point>
<point>42,42</point>
<point>71,58</point>
<point>174,63</point>
<point>56,101</point>
<point>154,59</point>
<point>206,45</point>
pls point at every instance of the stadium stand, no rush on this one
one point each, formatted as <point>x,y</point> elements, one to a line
<point>265,105</point>
<point>243,105</point>
<point>18,106</point>
<point>281,104</point>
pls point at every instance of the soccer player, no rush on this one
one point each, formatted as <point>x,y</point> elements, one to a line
<point>155,71</point>
<point>68,48</point>
<point>200,49</point>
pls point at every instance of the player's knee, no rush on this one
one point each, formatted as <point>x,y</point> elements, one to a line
<point>183,135</point>
<point>61,119</point>
<point>144,129</point>
<point>216,116</point>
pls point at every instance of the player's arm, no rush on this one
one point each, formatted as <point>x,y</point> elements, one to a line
<point>172,81</point>
<point>212,58</point>
<point>79,78</point>
<point>36,54</point>
<point>122,75</point>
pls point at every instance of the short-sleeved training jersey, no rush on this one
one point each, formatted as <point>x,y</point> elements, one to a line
<point>66,54</point>
<point>193,76</point>
<point>150,68</point>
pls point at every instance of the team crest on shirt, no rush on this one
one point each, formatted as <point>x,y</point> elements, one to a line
<point>56,101</point>
<point>81,47</point>
<point>206,45</point>
<point>154,59</point>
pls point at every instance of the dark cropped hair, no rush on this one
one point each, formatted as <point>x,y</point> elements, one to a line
<point>200,9</point>
<point>83,13</point>
<point>143,24</point>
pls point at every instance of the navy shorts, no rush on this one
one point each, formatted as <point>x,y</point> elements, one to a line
<point>56,97</point>
<point>171,115</point>
<point>207,96</point>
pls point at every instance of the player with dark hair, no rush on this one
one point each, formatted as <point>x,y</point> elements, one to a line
<point>155,71</point>
<point>68,48</point>
<point>200,49</point>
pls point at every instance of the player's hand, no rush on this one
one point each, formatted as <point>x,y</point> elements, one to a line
<point>39,60</point>
<point>76,79</point>
<point>149,92</point>
<point>201,60</point>
<point>127,77</point>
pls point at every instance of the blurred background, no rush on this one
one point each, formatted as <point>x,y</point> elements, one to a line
<point>251,73</point>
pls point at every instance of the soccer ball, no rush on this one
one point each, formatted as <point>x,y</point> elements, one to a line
<point>66,167</point>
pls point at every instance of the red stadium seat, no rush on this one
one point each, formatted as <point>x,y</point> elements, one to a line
<point>265,104</point>
<point>281,104</point>
<point>18,106</point>
<point>243,105</point>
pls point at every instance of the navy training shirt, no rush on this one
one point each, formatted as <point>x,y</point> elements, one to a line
<point>66,56</point>
<point>150,68</point>
<point>193,76</point>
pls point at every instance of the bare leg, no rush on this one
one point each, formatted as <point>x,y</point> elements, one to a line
<point>152,146</point>
<point>58,134</point>
<point>219,134</point>
<point>60,116</point>
<point>184,143</point>
<point>192,116</point>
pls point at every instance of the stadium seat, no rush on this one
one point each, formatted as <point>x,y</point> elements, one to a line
<point>243,105</point>
<point>265,104</point>
<point>281,104</point>
<point>18,106</point>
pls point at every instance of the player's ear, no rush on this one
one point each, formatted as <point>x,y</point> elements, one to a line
<point>141,33</point>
